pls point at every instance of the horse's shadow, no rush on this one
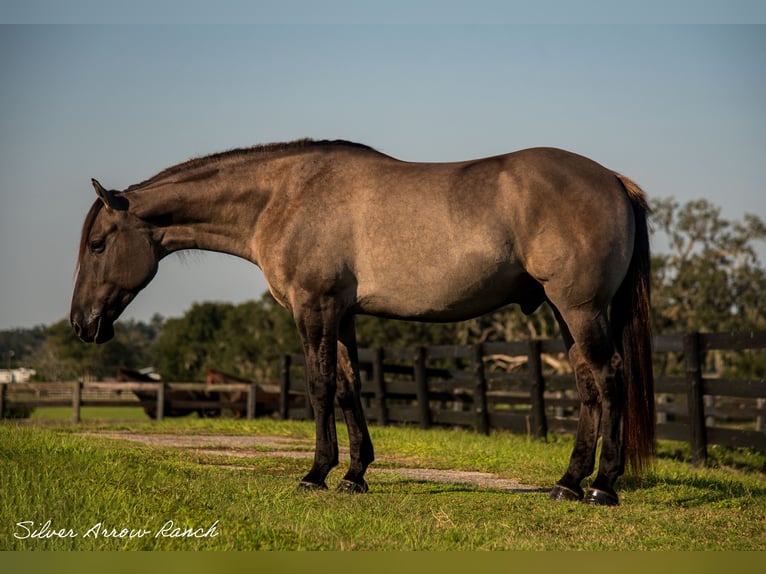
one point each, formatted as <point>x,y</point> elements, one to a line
<point>428,487</point>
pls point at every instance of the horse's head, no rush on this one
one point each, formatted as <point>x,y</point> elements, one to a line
<point>117,258</point>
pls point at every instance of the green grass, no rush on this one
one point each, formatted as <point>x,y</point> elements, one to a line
<point>90,413</point>
<point>51,472</point>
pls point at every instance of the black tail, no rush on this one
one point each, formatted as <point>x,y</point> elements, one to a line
<point>630,321</point>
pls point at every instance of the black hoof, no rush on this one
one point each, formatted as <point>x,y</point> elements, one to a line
<point>564,493</point>
<point>311,486</point>
<point>352,487</point>
<point>600,498</point>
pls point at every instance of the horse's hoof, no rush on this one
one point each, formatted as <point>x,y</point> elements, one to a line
<point>600,498</point>
<point>352,487</point>
<point>305,485</point>
<point>560,492</point>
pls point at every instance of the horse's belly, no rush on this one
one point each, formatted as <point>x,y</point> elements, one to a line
<point>433,293</point>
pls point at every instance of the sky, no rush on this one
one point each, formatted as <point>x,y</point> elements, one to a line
<point>677,108</point>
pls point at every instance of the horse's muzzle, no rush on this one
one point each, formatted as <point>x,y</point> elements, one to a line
<point>97,330</point>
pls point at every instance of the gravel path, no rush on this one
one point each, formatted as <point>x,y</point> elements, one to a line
<point>286,447</point>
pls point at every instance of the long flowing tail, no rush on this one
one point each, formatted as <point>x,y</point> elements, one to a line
<point>631,326</point>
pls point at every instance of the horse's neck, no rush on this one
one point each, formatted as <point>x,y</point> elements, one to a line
<point>211,215</point>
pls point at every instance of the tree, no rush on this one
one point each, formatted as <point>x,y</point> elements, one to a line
<point>380,332</point>
<point>190,344</point>
<point>257,334</point>
<point>508,324</point>
<point>16,345</point>
<point>710,279</point>
<point>246,340</point>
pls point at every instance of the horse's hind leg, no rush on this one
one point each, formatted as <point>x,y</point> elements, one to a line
<point>349,399</point>
<point>583,458</point>
<point>596,366</point>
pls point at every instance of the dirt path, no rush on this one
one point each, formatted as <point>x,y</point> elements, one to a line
<point>286,447</point>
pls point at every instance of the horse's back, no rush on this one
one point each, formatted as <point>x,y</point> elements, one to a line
<point>448,241</point>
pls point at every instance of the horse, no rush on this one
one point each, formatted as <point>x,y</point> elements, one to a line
<point>237,399</point>
<point>340,229</point>
<point>148,399</point>
<point>266,395</point>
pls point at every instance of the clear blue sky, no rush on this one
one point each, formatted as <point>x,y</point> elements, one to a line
<point>680,109</point>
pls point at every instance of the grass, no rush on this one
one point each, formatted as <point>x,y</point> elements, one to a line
<point>52,472</point>
<point>89,413</point>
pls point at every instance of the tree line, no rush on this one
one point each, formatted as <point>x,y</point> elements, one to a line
<point>706,276</point>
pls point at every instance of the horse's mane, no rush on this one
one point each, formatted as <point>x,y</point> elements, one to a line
<point>270,148</point>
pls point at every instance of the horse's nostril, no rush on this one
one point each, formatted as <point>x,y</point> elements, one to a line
<point>76,327</point>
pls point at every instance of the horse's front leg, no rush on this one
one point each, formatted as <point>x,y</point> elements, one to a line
<point>350,401</point>
<point>318,329</point>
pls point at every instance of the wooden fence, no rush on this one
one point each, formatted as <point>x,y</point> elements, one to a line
<point>77,394</point>
<point>461,386</point>
<point>453,385</point>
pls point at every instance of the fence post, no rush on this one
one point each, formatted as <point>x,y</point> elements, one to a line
<point>537,390</point>
<point>696,404</point>
<point>284,388</point>
<point>379,381</point>
<point>76,400</point>
<point>160,402</point>
<point>480,390</point>
<point>421,385</point>
<point>3,395</point>
<point>251,401</point>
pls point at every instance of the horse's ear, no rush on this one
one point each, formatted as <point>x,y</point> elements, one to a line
<point>111,200</point>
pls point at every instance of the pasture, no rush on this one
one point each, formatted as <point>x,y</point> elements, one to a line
<point>102,493</point>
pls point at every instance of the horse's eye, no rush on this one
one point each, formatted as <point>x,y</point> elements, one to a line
<point>97,245</point>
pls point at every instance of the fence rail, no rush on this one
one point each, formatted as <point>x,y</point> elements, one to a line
<point>456,385</point>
